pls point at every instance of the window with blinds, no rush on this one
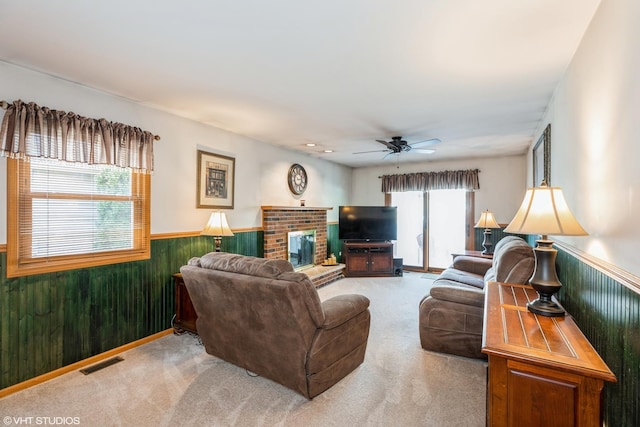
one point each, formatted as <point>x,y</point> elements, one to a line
<point>65,215</point>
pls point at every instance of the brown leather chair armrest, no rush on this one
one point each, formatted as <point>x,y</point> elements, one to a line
<point>341,308</point>
<point>459,294</point>
<point>472,264</point>
<point>340,343</point>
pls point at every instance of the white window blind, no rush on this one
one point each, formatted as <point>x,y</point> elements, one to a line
<point>70,215</point>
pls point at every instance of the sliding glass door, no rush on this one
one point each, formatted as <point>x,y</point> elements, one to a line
<point>410,243</point>
<point>432,226</point>
<point>446,226</point>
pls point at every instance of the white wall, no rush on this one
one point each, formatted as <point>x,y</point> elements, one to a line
<point>502,182</point>
<point>261,169</point>
<point>595,132</point>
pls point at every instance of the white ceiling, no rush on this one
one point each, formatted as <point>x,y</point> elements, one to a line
<point>338,73</point>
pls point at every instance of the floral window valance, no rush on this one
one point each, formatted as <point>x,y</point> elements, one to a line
<point>32,131</point>
<point>425,181</point>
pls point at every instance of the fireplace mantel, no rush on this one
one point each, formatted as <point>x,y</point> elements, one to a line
<point>296,208</point>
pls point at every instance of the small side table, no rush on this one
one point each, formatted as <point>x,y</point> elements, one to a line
<point>473,253</point>
<point>185,317</point>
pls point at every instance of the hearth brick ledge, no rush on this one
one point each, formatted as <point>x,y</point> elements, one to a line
<point>323,275</point>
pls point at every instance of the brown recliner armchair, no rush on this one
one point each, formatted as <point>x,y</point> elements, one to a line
<point>262,316</point>
<point>451,316</point>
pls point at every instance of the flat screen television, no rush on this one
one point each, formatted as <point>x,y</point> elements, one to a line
<point>368,223</point>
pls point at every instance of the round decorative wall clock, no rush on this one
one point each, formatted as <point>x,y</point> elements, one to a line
<point>297,179</point>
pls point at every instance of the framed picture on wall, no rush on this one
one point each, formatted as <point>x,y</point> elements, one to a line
<point>542,158</point>
<point>216,180</point>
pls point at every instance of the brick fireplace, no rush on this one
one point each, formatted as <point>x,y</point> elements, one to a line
<point>278,221</point>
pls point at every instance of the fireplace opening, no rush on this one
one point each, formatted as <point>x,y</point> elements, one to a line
<point>302,249</point>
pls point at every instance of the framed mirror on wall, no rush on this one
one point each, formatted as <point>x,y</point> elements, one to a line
<point>542,158</point>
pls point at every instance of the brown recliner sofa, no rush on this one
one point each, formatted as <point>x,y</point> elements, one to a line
<point>262,316</point>
<point>451,316</point>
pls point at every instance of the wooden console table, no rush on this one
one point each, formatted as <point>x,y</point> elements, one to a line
<point>542,370</point>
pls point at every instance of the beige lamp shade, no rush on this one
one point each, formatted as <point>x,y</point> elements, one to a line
<point>217,225</point>
<point>487,220</point>
<point>544,211</point>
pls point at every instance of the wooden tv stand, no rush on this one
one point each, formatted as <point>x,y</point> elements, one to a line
<point>368,259</point>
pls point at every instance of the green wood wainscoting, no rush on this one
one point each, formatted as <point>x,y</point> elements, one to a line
<point>608,313</point>
<point>52,320</point>
<point>606,307</point>
<point>334,245</point>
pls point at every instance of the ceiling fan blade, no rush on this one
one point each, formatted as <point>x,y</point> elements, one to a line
<point>425,143</point>
<point>423,150</point>
<point>387,143</point>
<point>389,155</point>
<point>372,151</point>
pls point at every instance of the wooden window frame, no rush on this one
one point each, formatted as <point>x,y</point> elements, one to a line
<point>16,267</point>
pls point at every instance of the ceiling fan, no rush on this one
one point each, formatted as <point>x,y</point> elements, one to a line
<point>398,145</point>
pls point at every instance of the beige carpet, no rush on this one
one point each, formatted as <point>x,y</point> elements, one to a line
<point>173,382</point>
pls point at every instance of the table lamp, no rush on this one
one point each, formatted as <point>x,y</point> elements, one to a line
<point>217,227</point>
<point>544,211</point>
<point>487,221</point>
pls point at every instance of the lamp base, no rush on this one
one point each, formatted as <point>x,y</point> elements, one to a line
<point>545,281</point>
<point>486,243</point>
<point>546,308</point>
